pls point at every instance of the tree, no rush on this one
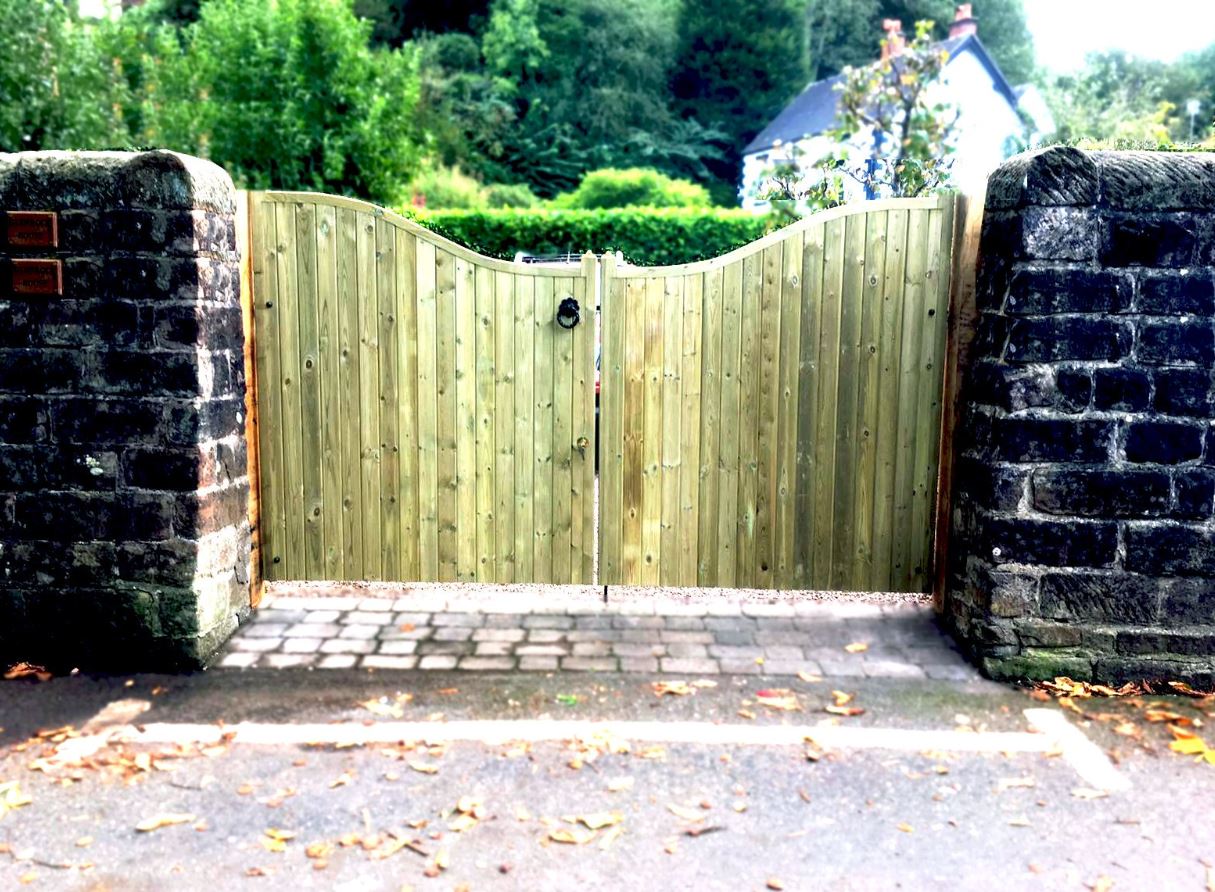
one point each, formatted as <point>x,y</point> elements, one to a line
<point>59,91</point>
<point>287,94</point>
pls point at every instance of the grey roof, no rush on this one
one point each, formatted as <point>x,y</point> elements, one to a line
<point>814,109</point>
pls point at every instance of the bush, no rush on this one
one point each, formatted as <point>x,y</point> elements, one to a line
<point>646,238</point>
<point>510,195</point>
<point>444,188</point>
<point>636,187</point>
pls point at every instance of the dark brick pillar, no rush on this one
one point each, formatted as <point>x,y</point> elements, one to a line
<point>123,534</point>
<point>1083,534</point>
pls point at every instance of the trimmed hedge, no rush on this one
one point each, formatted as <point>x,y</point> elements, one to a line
<point>646,237</point>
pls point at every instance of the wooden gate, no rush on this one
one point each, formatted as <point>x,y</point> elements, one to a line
<point>770,418</point>
<point>420,411</point>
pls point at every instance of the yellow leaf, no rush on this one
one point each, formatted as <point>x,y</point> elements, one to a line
<point>318,850</point>
<point>84,842</point>
<point>775,884</point>
<point>620,784</point>
<point>856,647</point>
<point>165,820</point>
<point>844,710</point>
<point>442,859</point>
<point>11,797</point>
<point>906,828</point>
<point>841,698</point>
<point>601,819</point>
<point>687,814</point>
<point>341,780</point>
<point>610,837</point>
<point>423,767</point>
<point>280,835</point>
<point>778,698</point>
<point>1103,884</point>
<point>808,677</point>
<point>1189,746</point>
<point>674,688</point>
<point>571,836</point>
<point>461,823</point>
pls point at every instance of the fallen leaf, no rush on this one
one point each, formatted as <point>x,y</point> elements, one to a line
<point>1086,793</point>
<point>856,647</point>
<point>775,884</point>
<point>1102,884</point>
<point>461,823</point>
<point>255,872</point>
<point>808,677</point>
<point>686,814</point>
<point>610,837</point>
<point>620,784</point>
<point>1008,783</point>
<point>1189,746</point>
<point>166,820</point>
<point>341,780</point>
<point>318,850</point>
<point>674,688</point>
<point>27,670</point>
<point>423,767</point>
<point>906,828</point>
<point>599,820</point>
<point>571,835</point>
<point>84,842</point>
<point>1019,822</point>
<point>12,798</point>
<point>778,698</point>
<point>844,710</point>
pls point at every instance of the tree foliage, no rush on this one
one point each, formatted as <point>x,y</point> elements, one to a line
<point>637,187</point>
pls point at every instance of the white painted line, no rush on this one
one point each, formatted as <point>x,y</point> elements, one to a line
<point>534,731</point>
<point>1093,765</point>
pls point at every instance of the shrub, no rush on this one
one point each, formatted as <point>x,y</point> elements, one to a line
<point>644,237</point>
<point>444,188</point>
<point>510,195</point>
<point>635,187</point>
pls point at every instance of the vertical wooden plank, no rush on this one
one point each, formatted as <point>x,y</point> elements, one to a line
<point>768,398</point>
<point>486,395</point>
<point>902,551</point>
<point>690,425</point>
<point>466,421</point>
<point>868,385</point>
<point>651,444</point>
<point>269,442</point>
<point>748,419</point>
<point>583,539</point>
<point>929,386</point>
<point>407,406</point>
<point>808,434</point>
<point>670,457</point>
<point>886,444</point>
<point>244,246</point>
<point>369,397</point>
<point>389,397</point>
<point>785,517</point>
<point>632,424</point>
<point>542,429</point>
<point>349,376</point>
<point>846,434</point>
<point>525,414</point>
<point>294,566</point>
<point>825,447</point>
<point>711,373</point>
<point>963,322</point>
<point>310,390</point>
<point>504,425</point>
<point>445,394</point>
<point>329,347</point>
<point>428,410</point>
<point>563,436</point>
<point>727,482</point>
<point>613,315</point>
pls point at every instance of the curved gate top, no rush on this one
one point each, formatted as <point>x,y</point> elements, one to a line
<point>769,418</point>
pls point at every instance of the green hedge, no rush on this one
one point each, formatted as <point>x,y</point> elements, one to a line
<point>646,237</point>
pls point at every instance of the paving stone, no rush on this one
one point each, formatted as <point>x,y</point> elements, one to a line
<point>312,630</point>
<point>681,637</point>
<point>347,646</point>
<point>771,637</point>
<point>494,648</point>
<point>855,610</point>
<point>499,635</point>
<point>680,649</point>
<point>735,652</point>
<point>421,603</point>
<point>783,652</point>
<point>730,624</point>
<point>287,661</point>
<point>780,624</point>
<point>288,617</point>
<point>631,608</point>
<point>785,667</point>
<point>452,633</point>
<point>417,633</point>
<point>575,635</point>
<point>239,660</point>
<point>545,636</point>
<point>684,623</point>
<point>541,650</point>
<point>749,609</point>
<point>638,664</point>
<point>307,603</point>
<point>322,616</point>
<point>361,631</point>
<point>589,664</point>
<point>690,666</point>
<point>376,605</point>
<point>842,668</point>
<point>367,617</point>
<point>951,673</point>
<point>338,661</point>
<point>891,669</point>
<point>697,609</point>
<point>736,639</point>
<point>634,649</point>
<point>646,636</point>
<point>438,661</point>
<point>398,648</point>
<point>553,621</point>
<point>471,620</point>
<point>383,661</point>
<point>592,649</point>
<point>739,667</point>
<point>724,607</point>
<point>301,645</point>
<point>442,648</point>
<point>538,664</point>
<point>260,645</point>
<point>504,621</point>
<point>594,622</point>
<point>265,630</point>
<point>511,604</point>
<point>638,622</point>
<point>412,619</point>
<point>485,664</point>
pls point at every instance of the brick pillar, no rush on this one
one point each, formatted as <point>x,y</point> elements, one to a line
<point>123,534</point>
<point>1083,534</point>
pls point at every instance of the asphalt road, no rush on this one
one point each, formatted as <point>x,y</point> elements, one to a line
<point>710,814</point>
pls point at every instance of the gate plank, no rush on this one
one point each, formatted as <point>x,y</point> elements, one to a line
<point>830,346</point>
<point>289,357</point>
<point>407,405</point>
<point>389,398</point>
<point>466,421</point>
<point>348,388</point>
<point>542,429</point>
<point>310,390</point>
<point>768,398</point>
<point>612,443</point>
<point>788,393</point>
<point>690,397</point>
<point>651,444</point>
<point>369,397</point>
<point>486,393</point>
<point>525,412</point>
<point>727,476</point>
<point>428,410</point>
<point>583,537</point>
<point>504,426</point>
<point>848,393</point>
<point>632,423</point>
<point>563,437</point>
<point>328,343</point>
<point>809,367</point>
<point>267,310</point>
<point>672,412</point>
<point>709,490</point>
<point>748,419</point>
<point>446,395</point>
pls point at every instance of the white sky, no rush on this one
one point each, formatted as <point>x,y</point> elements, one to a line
<point>1065,30</point>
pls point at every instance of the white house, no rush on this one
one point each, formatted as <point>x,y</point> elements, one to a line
<point>994,119</point>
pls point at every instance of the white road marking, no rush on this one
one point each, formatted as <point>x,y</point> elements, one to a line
<point>1093,765</point>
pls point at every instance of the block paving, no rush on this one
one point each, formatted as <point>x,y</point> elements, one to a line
<point>429,632</point>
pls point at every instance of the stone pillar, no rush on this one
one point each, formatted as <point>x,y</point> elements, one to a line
<point>124,540</point>
<point>1083,534</point>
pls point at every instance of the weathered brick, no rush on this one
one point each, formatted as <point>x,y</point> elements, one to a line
<point>1046,291</point>
<point>1059,233</point>
<point>1055,338</point>
<point>1163,442</point>
<point>1049,543</point>
<point>1100,597</point>
<point>1121,389</point>
<point>1169,549</point>
<point>1051,439</point>
<point>1195,489</point>
<point>1177,294</point>
<point>1101,492</point>
<point>1157,240</point>
<point>1177,342</point>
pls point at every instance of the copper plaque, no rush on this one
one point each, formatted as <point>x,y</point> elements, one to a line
<point>32,229</point>
<point>36,276</point>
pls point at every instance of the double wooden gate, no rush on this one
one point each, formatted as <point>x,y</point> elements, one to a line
<point>769,418</point>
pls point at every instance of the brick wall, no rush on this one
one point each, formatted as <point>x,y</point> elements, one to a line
<point>1083,533</point>
<point>123,484</point>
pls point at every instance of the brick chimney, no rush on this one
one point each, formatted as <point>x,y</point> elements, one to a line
<point>893,44</point>
<point>964,21</point>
